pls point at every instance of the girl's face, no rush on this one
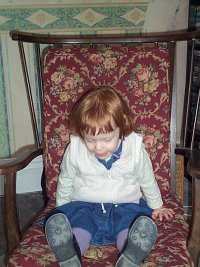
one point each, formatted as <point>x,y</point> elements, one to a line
<point>103,145</point>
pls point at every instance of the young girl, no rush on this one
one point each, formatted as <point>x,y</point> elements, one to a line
<point>106,192</point>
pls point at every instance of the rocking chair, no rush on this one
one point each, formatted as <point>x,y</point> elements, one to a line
<point>141,69</point>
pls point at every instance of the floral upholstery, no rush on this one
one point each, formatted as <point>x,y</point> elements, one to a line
<point>140,75</point>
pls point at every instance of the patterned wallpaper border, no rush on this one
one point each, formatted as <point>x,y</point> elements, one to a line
<point>90,17</point>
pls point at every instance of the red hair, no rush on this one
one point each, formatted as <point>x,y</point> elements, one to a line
<point>103,109</point>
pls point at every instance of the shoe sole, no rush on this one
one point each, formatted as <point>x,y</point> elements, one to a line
<point>60,239</point>
<point>141,238</point>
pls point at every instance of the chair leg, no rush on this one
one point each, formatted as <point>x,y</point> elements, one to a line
<point>194,240</point>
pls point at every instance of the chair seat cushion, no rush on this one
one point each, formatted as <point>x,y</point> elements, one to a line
<point>170,249</point>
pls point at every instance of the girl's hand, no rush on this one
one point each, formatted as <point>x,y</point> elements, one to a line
<point>162,213</point>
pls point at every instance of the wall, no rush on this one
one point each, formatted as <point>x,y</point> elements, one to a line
<point>76,16</point>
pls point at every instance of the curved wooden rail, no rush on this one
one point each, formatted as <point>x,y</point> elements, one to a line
<point>181,35</point>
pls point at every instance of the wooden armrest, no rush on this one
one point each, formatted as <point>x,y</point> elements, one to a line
<point>184,151</point>
<point>193,168</point>
<point>9,168</point>
<point>19,160</point>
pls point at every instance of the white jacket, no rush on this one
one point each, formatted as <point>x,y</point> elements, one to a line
<point>84,178</point>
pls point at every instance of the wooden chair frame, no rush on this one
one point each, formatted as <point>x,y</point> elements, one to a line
<point>10,166</point>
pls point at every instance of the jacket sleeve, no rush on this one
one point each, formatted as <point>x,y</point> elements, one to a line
<point>65,179</point>
<point>147,180</point>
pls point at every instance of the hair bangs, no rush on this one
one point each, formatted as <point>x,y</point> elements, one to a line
<point>94,124</point>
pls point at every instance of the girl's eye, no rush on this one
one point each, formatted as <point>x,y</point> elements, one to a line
<point>107,139</point>
<point>89,140</point>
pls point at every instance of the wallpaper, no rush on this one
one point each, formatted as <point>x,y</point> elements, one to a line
<point>70,17</point>
<point>75,18</point>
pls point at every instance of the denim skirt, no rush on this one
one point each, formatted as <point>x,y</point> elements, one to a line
<point>103,220</point>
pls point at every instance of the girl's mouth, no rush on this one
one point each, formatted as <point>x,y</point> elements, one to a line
<point>103,155</point>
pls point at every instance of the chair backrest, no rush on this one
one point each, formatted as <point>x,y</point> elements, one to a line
<point>140,74</point>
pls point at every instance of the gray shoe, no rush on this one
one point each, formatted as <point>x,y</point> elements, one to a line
<point>60,238</point>
<point>141,238</point>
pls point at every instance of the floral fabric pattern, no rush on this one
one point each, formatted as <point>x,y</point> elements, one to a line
<point>140,75</point>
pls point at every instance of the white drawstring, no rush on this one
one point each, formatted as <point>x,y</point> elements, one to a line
<point>103,208</point>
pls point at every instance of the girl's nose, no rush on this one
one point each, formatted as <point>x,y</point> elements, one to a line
<point>98,145</point>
